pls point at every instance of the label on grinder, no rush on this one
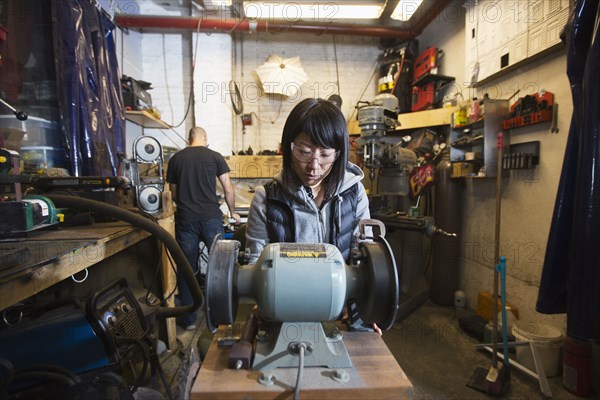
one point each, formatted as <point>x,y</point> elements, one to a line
<point>302,250</point>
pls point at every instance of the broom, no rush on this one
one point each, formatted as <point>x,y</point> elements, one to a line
<point>494,381</point>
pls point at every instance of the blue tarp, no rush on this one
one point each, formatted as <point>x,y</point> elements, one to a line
<point>89,88</point>
<point>571,274</point>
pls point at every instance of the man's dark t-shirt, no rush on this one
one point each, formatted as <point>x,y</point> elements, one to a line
<point>194,170</point>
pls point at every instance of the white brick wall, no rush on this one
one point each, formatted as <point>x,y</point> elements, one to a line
<point>218,55</point>
<point>129,55</point>
<point>158,59</point>
<point>211,81</point>
<point>165,61</point>
<point>356,61</point>
<point>129,52</point>
<point>163,66</point>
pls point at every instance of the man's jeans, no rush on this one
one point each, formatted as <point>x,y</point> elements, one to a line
<point>189,235</point>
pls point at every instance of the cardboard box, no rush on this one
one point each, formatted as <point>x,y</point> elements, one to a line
<point>254,166</point>
<point>461,169</point>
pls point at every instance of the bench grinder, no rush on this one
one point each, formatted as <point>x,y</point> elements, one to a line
<point>296,287</point>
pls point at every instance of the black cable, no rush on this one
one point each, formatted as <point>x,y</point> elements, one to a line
<point>378,180</point>
<point>175,373</point>
<point>364,90</point>
<point>163,302</point>
<point>237,103</point>
<point>145,356</point>
<point>337,72</point>
<point>191,95</point>
<point>160,372</point>
<point>428,265</point>
<point>54,376</point>
<point>155,229</point>
<point>178,135</point>
<point>301,348</point>
<point>52,368</point>
<point>108,379</point>
<point>151,357</point>
<point>157,270</point>
<point>154,279</point>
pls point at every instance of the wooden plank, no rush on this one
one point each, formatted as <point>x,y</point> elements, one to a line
<point>64,266</point>
<point>169,279</point>
<point>145,119</point>
<point>427,118</point>
<point>415,120</point>
<point>375,375</point>
<point>74,233</point>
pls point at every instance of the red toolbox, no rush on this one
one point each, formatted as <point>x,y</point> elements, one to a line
<point>423,96</point>
<point>426,63</point>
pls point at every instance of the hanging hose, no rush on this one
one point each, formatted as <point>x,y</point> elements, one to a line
<point>155,229</point>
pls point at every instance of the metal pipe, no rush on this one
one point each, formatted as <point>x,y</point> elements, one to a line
<point>232,25</point>
<point>244,25</point>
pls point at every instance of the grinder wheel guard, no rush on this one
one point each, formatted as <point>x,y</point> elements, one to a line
<point>381,286</point>
<point>375,287</point>
<point>221,299</point>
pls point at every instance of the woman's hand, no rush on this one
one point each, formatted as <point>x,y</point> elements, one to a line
<point>377,329</point>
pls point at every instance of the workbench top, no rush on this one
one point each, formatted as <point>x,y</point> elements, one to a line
<point>46,257</point>
<point>375,375</point>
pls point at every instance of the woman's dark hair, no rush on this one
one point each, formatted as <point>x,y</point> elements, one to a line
<point>325,125</point>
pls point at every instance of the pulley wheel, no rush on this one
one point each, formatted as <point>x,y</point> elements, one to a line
<point>149,198</point>
<point>147,148</point>
<point>381,286</point>
<point>221,296</point>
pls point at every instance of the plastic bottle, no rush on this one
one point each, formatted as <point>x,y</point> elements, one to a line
<point>461,114</point>
<point>474,117</point>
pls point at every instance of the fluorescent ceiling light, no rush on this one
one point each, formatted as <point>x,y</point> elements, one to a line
<point>313,10</point>
<point>405,9</point>
<point>217,3</point>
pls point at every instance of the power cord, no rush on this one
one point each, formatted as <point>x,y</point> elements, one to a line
<point>364,90</point>
<point>301,349</point>
<point>145,351</point>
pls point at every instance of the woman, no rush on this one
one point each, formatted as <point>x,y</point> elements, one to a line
<point>318,196</point>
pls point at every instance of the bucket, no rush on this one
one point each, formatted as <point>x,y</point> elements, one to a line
<point>577,367</point>
<point>547,340</point>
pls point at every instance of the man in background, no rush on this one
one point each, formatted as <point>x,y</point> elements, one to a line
<point>192,175</point>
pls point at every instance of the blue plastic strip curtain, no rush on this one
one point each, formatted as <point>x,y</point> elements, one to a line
<point>88,78</point>
<point>571,274</point>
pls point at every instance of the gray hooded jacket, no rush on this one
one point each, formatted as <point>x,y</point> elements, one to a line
<point>311,224</point>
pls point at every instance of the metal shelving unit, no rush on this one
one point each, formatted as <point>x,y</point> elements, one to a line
<point>480,138</point>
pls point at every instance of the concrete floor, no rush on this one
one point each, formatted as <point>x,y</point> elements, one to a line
<point>438,358</point>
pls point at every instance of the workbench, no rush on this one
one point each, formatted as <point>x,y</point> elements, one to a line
<point>375,375</point>
<point>50,257</point>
